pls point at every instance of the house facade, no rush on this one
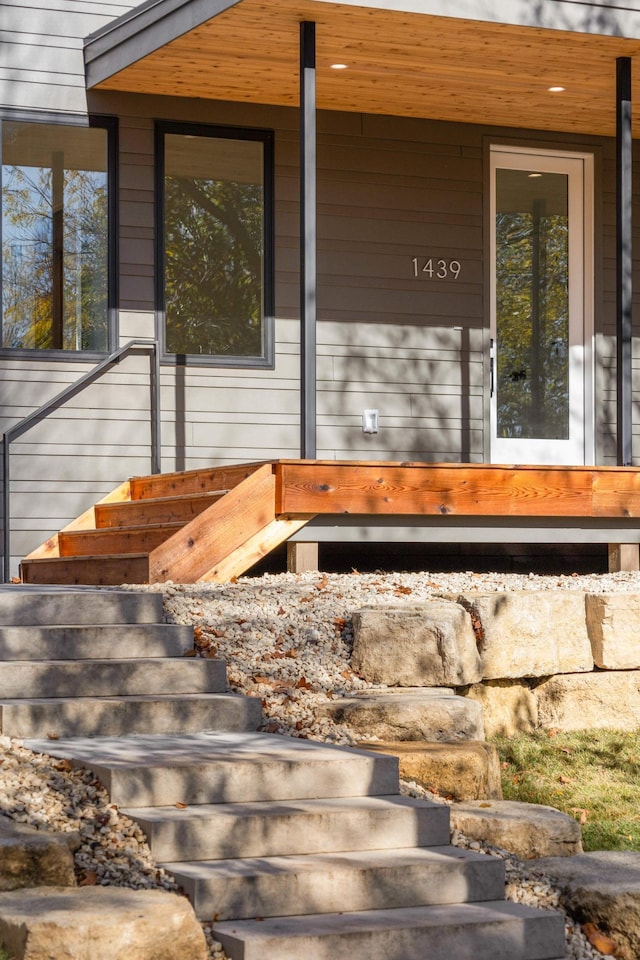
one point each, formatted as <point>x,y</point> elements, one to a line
<point>392,230</point>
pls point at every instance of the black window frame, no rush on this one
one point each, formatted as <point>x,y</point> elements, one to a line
<point>221,132</point>
<point>110,124</point>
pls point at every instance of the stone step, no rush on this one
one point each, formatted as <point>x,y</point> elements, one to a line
<point>105,641</point>
<point>264,829</point>
<point>495,930</point>
<point>142,771</point>
<point>110,678</point>
<point>337,882</point>
<point>26,605</point>
<point>120,716</point>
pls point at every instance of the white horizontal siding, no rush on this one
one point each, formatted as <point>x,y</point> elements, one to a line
<point>41,59</point>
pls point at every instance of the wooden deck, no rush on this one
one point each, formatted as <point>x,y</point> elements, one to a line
<point>214,524</point>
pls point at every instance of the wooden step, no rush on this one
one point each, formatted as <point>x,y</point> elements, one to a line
<point>115,540</point>
<point>157,510</point>
<point>103,571</point>
<point>188,482</point>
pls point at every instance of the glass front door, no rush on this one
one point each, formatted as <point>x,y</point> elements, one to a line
<point>539,367</point>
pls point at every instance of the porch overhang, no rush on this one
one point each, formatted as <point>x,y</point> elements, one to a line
<point>414,58</point>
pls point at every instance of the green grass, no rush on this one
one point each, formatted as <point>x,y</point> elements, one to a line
<point>593,775</point>
<point>4,955</point>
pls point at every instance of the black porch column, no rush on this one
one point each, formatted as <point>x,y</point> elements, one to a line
<point>623,259</point>
<point>308,281</point>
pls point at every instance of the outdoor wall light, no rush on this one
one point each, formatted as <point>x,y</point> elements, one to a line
<point>370,421</point>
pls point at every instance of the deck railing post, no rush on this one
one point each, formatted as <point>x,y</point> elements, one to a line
<point>308,243</point>
<point>154,380</point>
<point>6,511</point>
<point>624,264</point>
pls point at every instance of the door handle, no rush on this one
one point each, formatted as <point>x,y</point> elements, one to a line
<point>492,360</point>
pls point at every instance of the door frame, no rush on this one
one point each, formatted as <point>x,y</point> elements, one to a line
<point>587,160</point>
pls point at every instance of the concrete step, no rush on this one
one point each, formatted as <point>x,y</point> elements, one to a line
<point>122,716</point>
<point>142,771</point>
<point>495,930</point>
<point>108,641</point>
<point>226,830</point>
<point>338,882</point>
<point>110,678</point>
<point>26,605</point>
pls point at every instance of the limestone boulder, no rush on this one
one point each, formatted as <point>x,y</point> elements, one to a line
<point>509,708</point>
<point>529,633</point>
<point>99,923</point>
<point>429,645</point>
<point>527,830</point>
<point>406,713</point>
<point>30,857</point>
<point>613,623</point>
<point>603,888</point>
<point>463,771</point>
<point>606,700</point>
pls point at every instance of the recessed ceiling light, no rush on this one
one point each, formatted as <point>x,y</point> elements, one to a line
<point>339,66</point>
<point>533,176</point>
<point>556,89</point>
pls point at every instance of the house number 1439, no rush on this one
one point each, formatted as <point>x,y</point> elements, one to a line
<point>436,269</point>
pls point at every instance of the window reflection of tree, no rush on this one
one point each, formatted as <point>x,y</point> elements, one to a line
<point>213,266</point>
<point>533,323</point>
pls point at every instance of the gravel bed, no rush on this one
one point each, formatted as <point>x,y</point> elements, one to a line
<point>286,639</point>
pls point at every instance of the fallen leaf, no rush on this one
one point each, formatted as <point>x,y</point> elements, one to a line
<point>260,679</point>
<point>322,584</point>
<point>53,736</point>
<point>583,814</point>
<point>564,779</point>
<point>399,589</point>
<point>233,580</point>
<point>567,750</point>
<point>64,765</point>
<point>599,940</point>
<point>181,806</point>
<point>90,879</point>
<point>190,653</point>
<point>281,611</point>
<point>303,684</point>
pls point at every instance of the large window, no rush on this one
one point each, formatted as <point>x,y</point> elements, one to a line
<point>55,237</point>
<point>215,243</point>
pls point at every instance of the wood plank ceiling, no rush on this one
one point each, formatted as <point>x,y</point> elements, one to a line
<point>412,65</point>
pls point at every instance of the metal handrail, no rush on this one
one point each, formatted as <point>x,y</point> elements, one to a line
<point>18,429</point>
